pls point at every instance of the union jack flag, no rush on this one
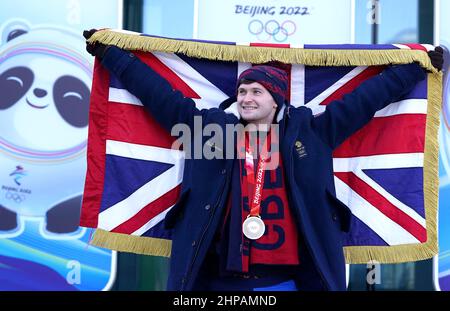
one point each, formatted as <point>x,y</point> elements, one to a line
<point>134,176</point>
<point>379,170</point>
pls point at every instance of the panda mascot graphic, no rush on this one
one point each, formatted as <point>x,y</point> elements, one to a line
<point>45,81</point>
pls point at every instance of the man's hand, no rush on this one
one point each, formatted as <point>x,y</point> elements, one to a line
<point>96,49</point>
<point>437,57</point>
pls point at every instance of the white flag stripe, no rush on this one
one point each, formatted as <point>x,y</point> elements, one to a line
<point>123,96</point>
<point>297,85</point>
<point>393,200</point>
<point>143,152</point>
<point>129,207</point>
<point>402,46</point>
<point>153,222</point>
<point>210,95</point>
<point>242,67</point>
<point>331,89</point>
<point>388,230</point>
<point>428,47</point>
<point>384,161</point>
<point>297,46</point>
<point>406,106</point>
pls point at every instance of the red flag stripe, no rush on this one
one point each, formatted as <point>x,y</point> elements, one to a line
<point>414,46</point>
<point>353,83</point>
<point>132,124</point>
<point>175,81</point>
<point>404,133</point>
<point>270,45</point>
<point>149,211</point>
<point>383,205</point>
<point>95,175</point>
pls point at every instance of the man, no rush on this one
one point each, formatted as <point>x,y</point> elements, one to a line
<point>239,225</point>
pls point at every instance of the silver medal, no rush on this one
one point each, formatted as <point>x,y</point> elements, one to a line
<point>253,227</point>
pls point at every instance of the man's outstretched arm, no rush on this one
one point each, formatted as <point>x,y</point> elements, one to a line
<point>344,117</point>
<point>166,105</point>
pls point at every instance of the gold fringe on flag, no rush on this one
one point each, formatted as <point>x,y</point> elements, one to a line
<point>131,243</point>
<point>258,55</point>
<point>311,57</point>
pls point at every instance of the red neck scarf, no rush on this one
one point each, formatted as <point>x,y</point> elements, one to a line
<point>279,244</point>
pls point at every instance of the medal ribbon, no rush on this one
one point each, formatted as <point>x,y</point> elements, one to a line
<point>255,185</point>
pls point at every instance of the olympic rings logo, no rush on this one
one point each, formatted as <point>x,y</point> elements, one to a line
<point>18,198</point>
<point>272,29</point>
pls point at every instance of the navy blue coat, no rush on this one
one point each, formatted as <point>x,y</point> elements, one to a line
<point>320,217</point>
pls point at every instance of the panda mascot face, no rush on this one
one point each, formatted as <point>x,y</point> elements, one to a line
<point>42,106</point>
<point>45,79</point>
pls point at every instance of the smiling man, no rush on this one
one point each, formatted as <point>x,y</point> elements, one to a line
<point>260,94</point>
<point>256,104</point>
<point>239,225</point>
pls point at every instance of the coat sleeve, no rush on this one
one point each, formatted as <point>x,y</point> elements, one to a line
<point>166,105</point>
<point>344,117</point>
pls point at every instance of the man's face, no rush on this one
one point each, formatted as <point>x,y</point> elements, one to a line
<point>255,103</point>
